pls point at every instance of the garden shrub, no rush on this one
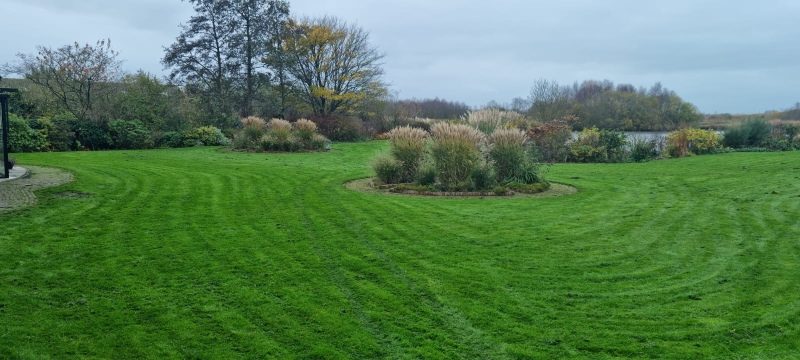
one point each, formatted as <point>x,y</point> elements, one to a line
<point>319,143</point>
<point>686,142</point>
<point>426,175</point>
<point>482,177</point>
<point>791,131</point>
<point>212,136</point>
<point>205,136</point>
<point>508,153</point>
<point>90,134</point>
<point>169,139</point>
<point>678,144</point>
<point>551,139</point>
<point>129,135</point>
<point>22,138</point>
<point>587,148</point>
<point>643,149</point>
<point>704,142</point>
<point>455,151</point>
<point>408,149</point>
<point>340,128</point>
<point>614,143</point>
<point>61,136</point>
<point>388,170</point>
<point>751,133</point>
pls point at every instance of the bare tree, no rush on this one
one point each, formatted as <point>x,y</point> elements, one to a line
<point>256,23</point>
<point>549,101</point>
<point>79,77</point>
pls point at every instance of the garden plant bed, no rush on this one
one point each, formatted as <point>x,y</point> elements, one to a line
<point>371,186</point>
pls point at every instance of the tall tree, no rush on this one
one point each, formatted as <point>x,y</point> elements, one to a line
<point>81,78</point>
<point>203,56</point>
<point>256,24</point>
<point>333,64</point>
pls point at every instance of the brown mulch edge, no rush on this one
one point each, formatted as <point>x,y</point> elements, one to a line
<point>443,193</point>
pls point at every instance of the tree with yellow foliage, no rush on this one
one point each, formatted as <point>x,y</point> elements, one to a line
<point>333,64</point>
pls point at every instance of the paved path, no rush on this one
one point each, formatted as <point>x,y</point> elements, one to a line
<point>17,192</point>
<point>16,173</point>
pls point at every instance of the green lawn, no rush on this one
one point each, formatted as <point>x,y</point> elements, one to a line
<point>196,253</point>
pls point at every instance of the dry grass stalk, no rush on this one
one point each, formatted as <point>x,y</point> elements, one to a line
<point>457,133</point>
<point>488,120</point>
<point>253,121</point>
<point>508,137</point>
<point>280,129</point>
<point>305,129</point>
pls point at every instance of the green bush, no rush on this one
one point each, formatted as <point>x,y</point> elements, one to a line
<point>482,177</point>
<point>170,139</point>
<point>751,133</point>
<point>614,143</point>
<point>93,135</point>
<point>129,135</point>
<point>341,128</point>
<point>211,136</point>
<point>791,131</point>
<point>22,138</point>
<point>426,175</point>
<point>388,170</point>
<point>643,149</point>
<point>319,143</point>
<point>61,136</point>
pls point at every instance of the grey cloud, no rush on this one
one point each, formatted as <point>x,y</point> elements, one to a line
<point>726,56</point>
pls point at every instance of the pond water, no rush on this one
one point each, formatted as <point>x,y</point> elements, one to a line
<point>644,135</point>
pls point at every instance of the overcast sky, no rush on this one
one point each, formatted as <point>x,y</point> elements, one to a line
<point>724,56</point>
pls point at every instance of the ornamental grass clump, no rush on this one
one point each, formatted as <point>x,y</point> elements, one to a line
<point>252,131</point>
<point>489,120</point>
<point>456,151</point>
<point>280,130</point>
<point>408,148</point>
<point>279,135</point>
<point>305,129</point>
<point>508,153</point>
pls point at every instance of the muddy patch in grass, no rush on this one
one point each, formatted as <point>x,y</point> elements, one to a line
<point>71,195</point>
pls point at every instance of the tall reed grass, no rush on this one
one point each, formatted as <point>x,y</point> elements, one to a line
<point>456,151</point>
<point>489,120</point>
<point>508,153</point>
<point>408,148</point>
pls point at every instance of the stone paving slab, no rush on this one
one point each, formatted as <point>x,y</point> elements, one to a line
<point>17,172</point>
<point>17,193</point>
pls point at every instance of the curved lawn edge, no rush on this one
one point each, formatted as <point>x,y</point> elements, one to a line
<point>556,189</point>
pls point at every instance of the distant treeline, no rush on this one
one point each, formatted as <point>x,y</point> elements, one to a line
<point>608,106</point>
<point>596,103</point>
<point>431,108</point>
